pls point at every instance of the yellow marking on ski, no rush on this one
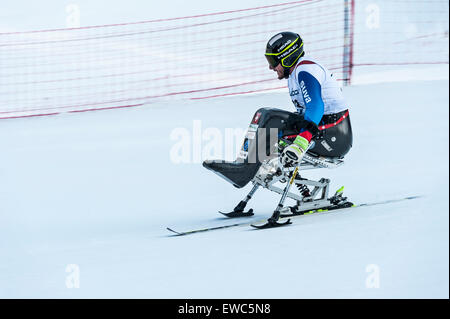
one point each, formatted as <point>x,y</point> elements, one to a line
<point>315,211</point>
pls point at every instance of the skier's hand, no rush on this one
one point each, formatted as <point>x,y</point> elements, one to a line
<point>293,154</point>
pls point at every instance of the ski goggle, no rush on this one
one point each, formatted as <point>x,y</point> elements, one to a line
<point>286,57</point>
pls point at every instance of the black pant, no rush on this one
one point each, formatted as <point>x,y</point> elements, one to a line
<point>334,139</point>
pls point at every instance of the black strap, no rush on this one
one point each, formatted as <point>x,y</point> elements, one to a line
<point>331,118</point>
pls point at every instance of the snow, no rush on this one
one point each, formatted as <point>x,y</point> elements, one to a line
<point>98,189</point>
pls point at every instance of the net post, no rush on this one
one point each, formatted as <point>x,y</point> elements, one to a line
<point>349,22</point>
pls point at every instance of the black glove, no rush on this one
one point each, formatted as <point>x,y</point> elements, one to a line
<point>298,123</point>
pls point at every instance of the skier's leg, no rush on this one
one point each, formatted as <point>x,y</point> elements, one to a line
<point>335,138</point>
<point>258,146</point>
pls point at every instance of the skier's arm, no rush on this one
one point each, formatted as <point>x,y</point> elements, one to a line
<point>312,97</point>
<point>311,92</point>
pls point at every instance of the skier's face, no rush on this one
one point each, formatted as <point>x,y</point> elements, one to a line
<point>279,70</point>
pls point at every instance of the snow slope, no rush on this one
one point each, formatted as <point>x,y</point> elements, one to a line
<point>98,190</point>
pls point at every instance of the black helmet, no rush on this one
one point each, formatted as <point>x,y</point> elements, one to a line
<point>285,48</point>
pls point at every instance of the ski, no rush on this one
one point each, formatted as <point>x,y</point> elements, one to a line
<point>201,230</point>
<point>326,209</point>
<point>292,215</point>
<point>320,210</point>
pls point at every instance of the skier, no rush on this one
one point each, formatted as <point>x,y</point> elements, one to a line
<point>317,97</point>
<point>318,135</point>
<point>321,124</point>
